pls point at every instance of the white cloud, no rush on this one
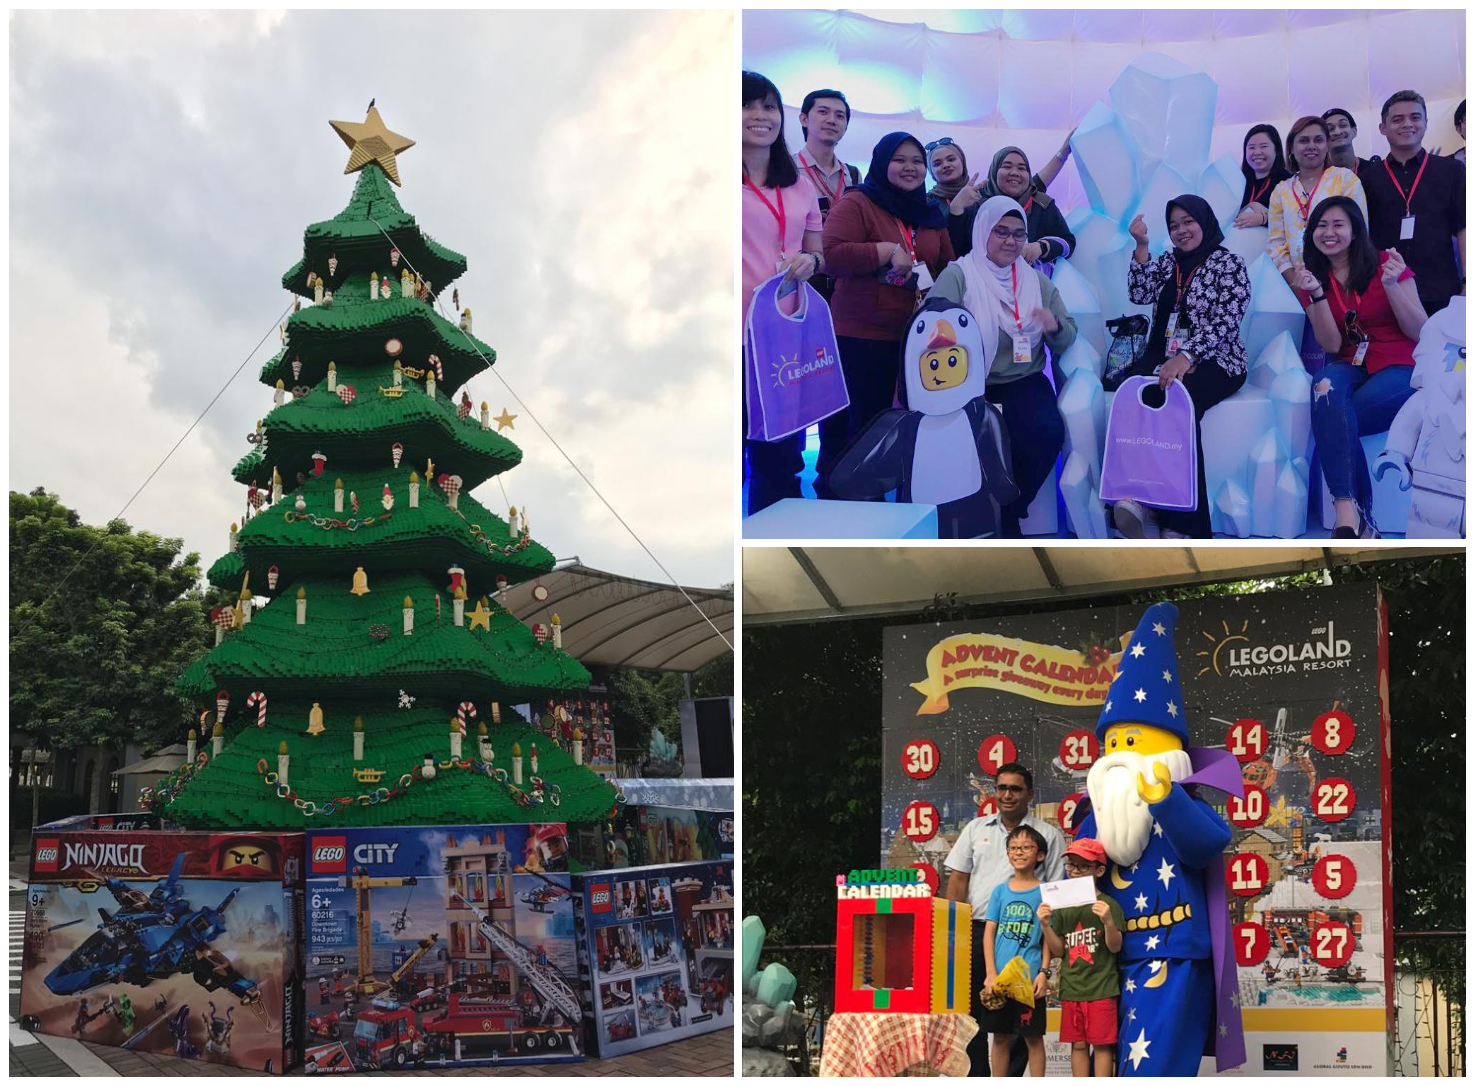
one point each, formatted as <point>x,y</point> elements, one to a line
<point>164,166</point>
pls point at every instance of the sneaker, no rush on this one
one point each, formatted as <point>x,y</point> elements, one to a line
<point>1130,519</point>
<point>1168,533</point>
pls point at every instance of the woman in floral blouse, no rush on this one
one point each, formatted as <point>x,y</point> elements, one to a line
<point>1199,292</point>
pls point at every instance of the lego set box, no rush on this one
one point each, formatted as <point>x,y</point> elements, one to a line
<point>178,943</point>
<point>659,944</point>
<point>439,946</point>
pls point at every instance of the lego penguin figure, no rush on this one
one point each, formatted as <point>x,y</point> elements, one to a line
<point>950,449</point>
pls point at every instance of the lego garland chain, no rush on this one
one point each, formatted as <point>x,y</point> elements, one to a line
<point>327,524</point>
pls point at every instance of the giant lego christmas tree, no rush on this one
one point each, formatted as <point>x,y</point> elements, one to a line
<point>376,685</point>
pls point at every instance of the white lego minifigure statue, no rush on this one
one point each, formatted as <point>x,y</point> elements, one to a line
<point>1426,443</point>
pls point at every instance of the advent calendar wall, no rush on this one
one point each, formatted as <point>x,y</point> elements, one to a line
<point>1290,682</point>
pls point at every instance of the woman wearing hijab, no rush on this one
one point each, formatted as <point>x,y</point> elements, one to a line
<point>884,243</point>
<point>949,168</point>
<point>1264,165</point>
<point>1009,175</point>
<point>997,284</point>
<point>1199,292</point>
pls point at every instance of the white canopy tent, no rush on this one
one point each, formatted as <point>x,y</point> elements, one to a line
<point>806,584</point>
<point>614,621</point>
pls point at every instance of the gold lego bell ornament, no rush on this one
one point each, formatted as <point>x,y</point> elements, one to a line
<point>315,720</point>
<point>360,582</point>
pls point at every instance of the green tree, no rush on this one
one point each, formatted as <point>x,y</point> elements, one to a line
<point>95,661</point>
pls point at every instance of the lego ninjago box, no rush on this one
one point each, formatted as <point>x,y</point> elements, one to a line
<point>659,953</point>
<point>440,946</point>
<point>178,943</point>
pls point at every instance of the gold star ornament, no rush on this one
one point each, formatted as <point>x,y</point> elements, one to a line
<point>504,420</point>
<point>372,142</point>
<point>480,617</point>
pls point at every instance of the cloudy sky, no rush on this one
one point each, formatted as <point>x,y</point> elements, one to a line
<point>163,167</point>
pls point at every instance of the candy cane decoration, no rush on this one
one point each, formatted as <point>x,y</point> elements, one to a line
<point>464,712</point>
<point>258,699</point>
<point>434,360</point>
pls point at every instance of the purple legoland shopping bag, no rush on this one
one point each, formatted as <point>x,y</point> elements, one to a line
<point>1151,453</point>
<point>793,376</point>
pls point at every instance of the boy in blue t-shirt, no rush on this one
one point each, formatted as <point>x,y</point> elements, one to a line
<point>1013,929</point>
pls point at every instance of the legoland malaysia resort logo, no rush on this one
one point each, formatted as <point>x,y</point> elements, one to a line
<point>790,371</point>
<point>1233,654</point>
<point>48,854</point>
<point>600,899</point>
<point>330,856</point>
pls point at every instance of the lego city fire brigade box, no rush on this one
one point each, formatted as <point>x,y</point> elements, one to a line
<point>439,946</point>
<point>184,944</point>
<point>659,946</point>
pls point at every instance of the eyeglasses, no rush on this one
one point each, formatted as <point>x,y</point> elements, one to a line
<point>1020,236</point>
<point>936,144</point>
<point>1008,789</point>
<point>1022,849</point>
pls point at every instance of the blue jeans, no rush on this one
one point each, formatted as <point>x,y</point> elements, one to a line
<point>1347,403</point>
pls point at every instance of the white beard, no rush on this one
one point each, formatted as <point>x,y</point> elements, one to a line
<point>1123,821</point>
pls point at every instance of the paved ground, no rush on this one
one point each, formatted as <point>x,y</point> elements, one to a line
<point>712,1054</point>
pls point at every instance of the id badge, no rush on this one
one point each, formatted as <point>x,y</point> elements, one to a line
<point>1174,346</point>
<point>1406,231</point>
<point>1023,355</point>
<point>1172,323</point>
<point>924,277</point>
<point>1361,353</point>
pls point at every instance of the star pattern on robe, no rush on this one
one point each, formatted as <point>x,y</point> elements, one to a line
<point>1132,1015</point>
<point>1139,695</point>
<point>1167,675</point>
<point>1140,903</point>
<point>1080,951</point>
<point>1223,1029</point>
<point>1159,629</point>
<point>1165,872</point>
<point>1108,707</point>
<point>1152,941</point>
<point>1173,709</point>
<point>1234,1000</point>
<point>1131,985</point>
<point>1137,650</point>
<point>1157,829</point>
<point>1137,1051</point>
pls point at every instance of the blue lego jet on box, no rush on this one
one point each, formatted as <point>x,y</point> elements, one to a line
<point>150,937</point>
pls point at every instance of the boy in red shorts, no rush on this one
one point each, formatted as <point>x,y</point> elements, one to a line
<point>1086,939</point>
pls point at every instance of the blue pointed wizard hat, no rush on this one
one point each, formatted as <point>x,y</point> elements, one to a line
<point>1146,688</point>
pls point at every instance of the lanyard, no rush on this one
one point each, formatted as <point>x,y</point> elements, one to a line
<point>1029,203</point>
<point>1352,296</point>
<point>1181,283</point>
<point>817,176</point>
<point>777,212</point>
<point>1014,283</point>
<point>1305,208</point>
<point>1256,193</point>
<point>908,240</point>
<point>1408,200</point>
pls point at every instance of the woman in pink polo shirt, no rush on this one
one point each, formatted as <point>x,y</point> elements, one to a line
<point>781,233</point>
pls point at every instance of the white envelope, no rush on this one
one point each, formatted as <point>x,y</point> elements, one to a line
<point>1068,892</point>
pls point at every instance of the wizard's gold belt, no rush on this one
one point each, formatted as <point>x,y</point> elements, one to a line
<point>1164,919</point>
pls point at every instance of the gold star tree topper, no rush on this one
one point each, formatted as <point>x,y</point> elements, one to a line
<point>372,142</point>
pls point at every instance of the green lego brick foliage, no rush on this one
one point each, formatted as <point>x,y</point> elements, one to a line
<point>433,536</point>
<point>363,431</point>
<point>230,790</point>
<point>337,654</point>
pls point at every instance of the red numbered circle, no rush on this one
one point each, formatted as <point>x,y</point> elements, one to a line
<point>1333,799</point>
<point>989,806</point>
<point>1251,943</point>
<point>1067,813</point>
<point>919,759</point>
<point>1250,811</point>
<point>1078,750</point>
<point>929,875</point>
<point>995,751</point>
<point>1246,874</point>
<point>1333,732</point>
<point>1246,739</point>
<point>920,821</point>
<point>1332,943</point>
<point>1334,876</point>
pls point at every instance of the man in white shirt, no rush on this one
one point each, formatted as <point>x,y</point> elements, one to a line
<point>978,862</point>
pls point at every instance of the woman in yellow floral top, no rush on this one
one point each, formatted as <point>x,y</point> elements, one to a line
<point>1312,180</point>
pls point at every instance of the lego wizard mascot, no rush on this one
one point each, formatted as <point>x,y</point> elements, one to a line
<point>950,450</point>
<point>1180,999</point>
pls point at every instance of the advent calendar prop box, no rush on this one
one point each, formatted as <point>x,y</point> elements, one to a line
<point>184,944</point>
<point>1292,683</point>
<point>440,946</point>
<point>898,948</point>
<point>659,943</point>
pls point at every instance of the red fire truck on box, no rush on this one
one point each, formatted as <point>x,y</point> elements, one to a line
<point>472,1026</point>
<point>386,1036</point>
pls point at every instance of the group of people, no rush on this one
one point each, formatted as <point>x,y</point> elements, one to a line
<point>1371,247</point>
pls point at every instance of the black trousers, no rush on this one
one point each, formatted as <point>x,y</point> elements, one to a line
<point>773,467</point>
<point>870,368</point>
<point>979,1046</point>
<point>1036,436</point>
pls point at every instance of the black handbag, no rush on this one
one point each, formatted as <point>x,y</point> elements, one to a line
<point>1128,342</point>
